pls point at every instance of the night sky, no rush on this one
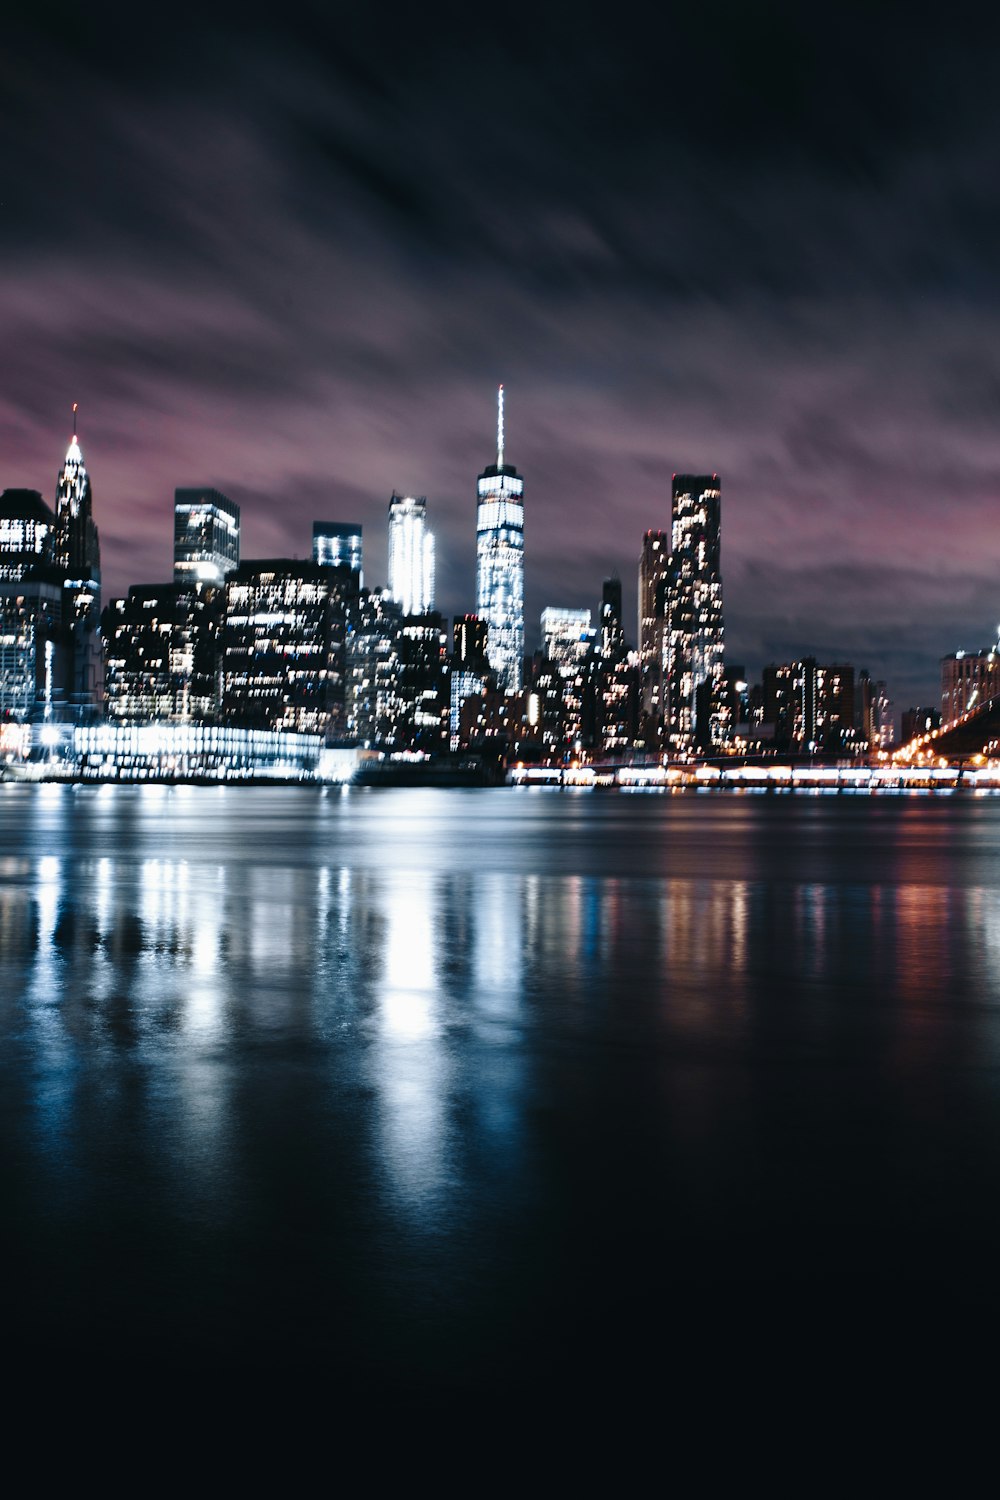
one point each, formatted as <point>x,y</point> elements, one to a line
<point>290,251</point>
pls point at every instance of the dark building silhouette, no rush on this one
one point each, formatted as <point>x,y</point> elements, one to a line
<point>617,690</point>
<point>918,721</point>
<point>653,577</point>
<point>338,544</point>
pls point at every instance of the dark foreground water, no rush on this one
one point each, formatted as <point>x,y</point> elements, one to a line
<point>463,1089</point>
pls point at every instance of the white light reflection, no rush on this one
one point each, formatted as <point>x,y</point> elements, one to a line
<point>103,886</point>
<point>203,1015</point>
<point>498,952</point>
<point>408,997</point>
<point>44,984</point>
<point>55,1077</point>
<point>410,1065</point>
<point>344,899</point>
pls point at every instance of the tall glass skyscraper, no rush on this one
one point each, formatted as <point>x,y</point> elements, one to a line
<point>500,563</point>
<point>411,554</point>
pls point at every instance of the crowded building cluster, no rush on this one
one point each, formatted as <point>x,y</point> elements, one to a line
<point>305,647</point>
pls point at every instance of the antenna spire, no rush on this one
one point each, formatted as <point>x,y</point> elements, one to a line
<point>500,428</point>
<point>75,404</point>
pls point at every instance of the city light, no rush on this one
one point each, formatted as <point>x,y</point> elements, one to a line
<point>278,668</point>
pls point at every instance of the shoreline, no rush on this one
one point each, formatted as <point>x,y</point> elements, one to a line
<point>780,783</point>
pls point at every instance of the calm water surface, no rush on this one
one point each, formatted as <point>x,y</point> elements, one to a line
<point>425,1088</point>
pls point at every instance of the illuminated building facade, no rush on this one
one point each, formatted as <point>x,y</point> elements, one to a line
<point>810,706</point>
<point>653,568</point>
<point>617,693</point>
<point>423,684</point>
<point>544,709</point>
<point>283,651</point>
<point>374,709</point>
<point>500,563</point>
<point>34,660</point>
<point>567,636</point>
<point>206,537</point>
<point>411,555</point>
<point>568,641</point>
<point>77,544</point>
<point>27,534</point>
<point>469,677</point>
<point>199,752</point>
<point>968,680</point>
<point>35,664</point>
<point>77,551</point>
<point>162,654</point>
<point>338,544</point>
<point>693,646</point>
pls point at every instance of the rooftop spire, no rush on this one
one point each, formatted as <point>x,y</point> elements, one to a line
<point>73,454</point>
<point>499,428</point>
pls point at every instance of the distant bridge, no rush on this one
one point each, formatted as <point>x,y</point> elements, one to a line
<point>976,732</point>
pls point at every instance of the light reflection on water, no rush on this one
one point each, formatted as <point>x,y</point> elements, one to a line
<point>363,1022</point>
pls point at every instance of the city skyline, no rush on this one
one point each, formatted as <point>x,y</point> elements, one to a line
<point>295,272</point>
<point>335,536</point>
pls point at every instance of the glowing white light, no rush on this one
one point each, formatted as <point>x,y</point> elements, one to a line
<point>411,555</point>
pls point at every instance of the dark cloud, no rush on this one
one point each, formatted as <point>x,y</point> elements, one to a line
<point>291,255</point>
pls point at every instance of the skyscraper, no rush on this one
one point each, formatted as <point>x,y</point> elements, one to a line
<point>374,633</point>
<point>612,630</point>
<point>337,544</point>
<point>693,649</point>
<point>568,641</point>
<point>500,563</point>
<point>653,568</point>
<point>470,670</point>
<point>162,653</point>
<point>78,554</point>
<point>284,646</point>
<point>411,554</point>
<point>206,537</point>
<point>567,636</point>
<point>77,545</point>
<point>617,705</point>
<point>33,659</point>
<point>26,534</point>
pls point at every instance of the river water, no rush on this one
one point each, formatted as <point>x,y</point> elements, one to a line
<point>444,1089</point>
